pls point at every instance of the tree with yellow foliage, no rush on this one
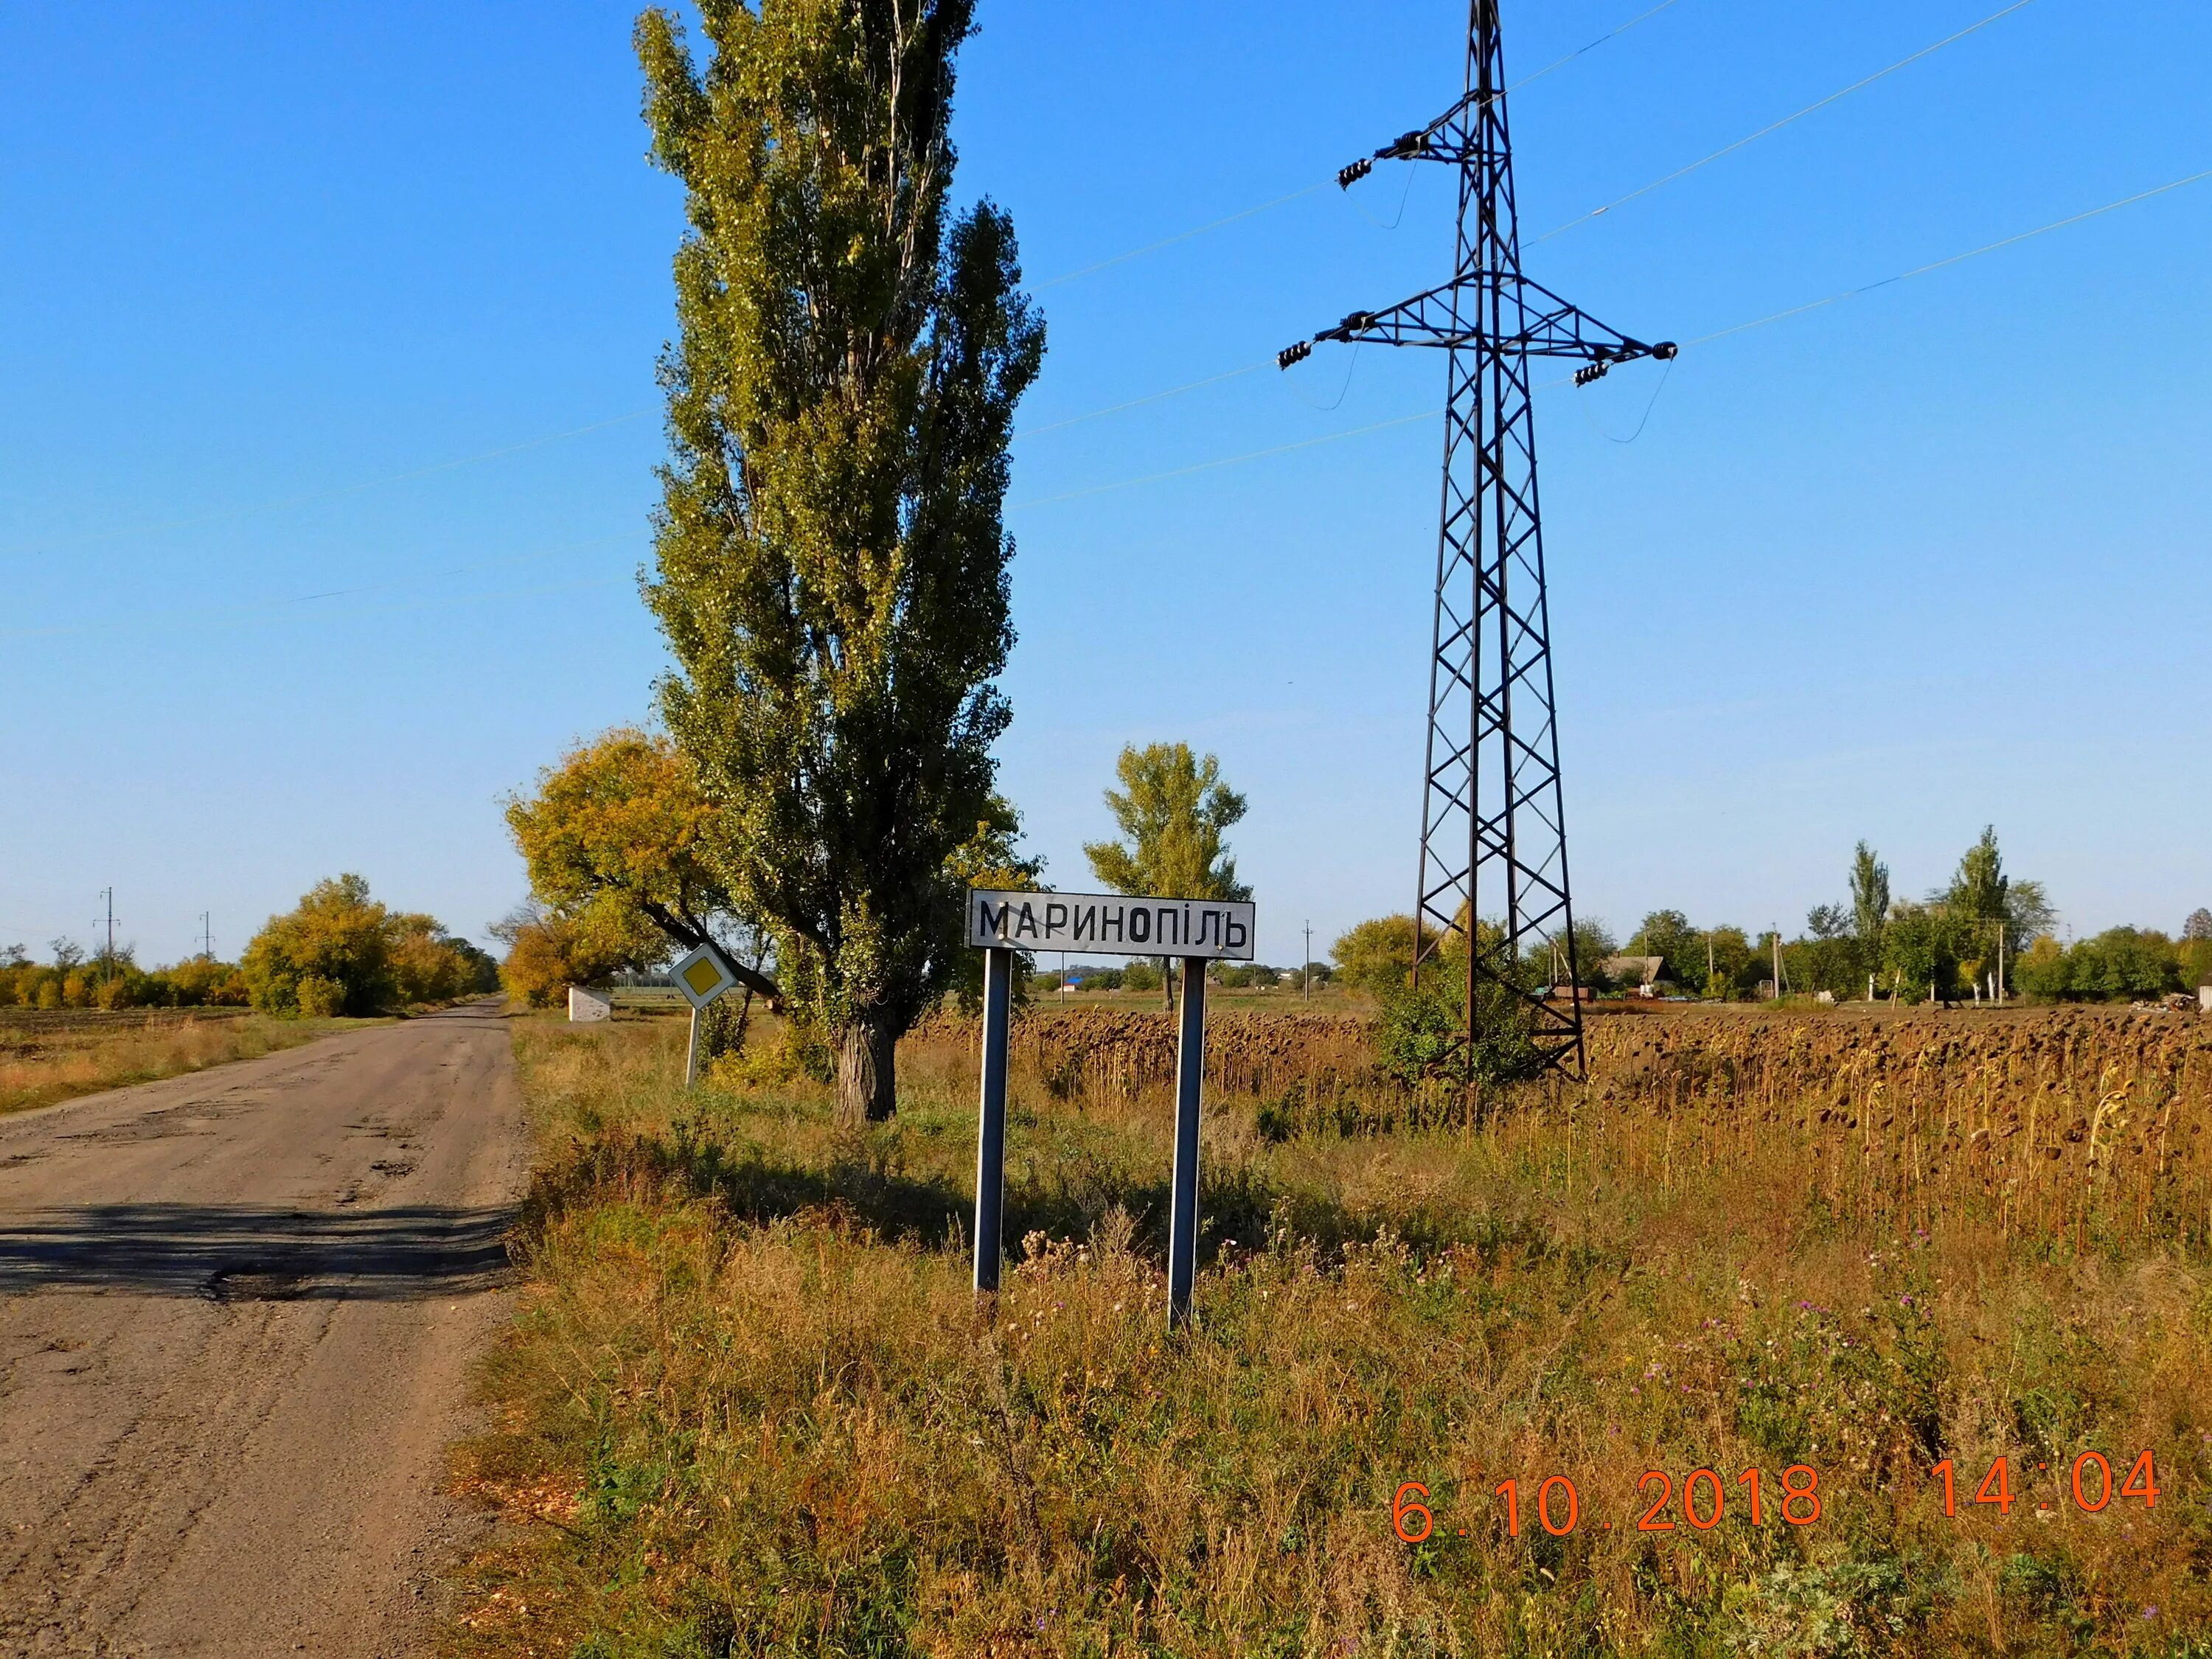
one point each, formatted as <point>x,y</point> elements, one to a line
<point>615,840</point>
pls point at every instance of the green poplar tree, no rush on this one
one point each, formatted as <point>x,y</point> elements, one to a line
<point>1172,810</point>
<point>1869,900</point>
<point>831,559</point>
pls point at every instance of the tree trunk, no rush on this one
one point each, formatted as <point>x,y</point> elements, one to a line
<point>866,1071</point>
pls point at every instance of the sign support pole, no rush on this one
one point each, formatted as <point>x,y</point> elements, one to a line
<point>991,1139</point>
<point>1182,1215</point>
<point>691,1055</point>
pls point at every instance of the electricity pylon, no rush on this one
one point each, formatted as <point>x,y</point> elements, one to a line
<point>1493,831</point>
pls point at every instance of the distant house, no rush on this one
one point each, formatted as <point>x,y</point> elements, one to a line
<point>1639,973</point>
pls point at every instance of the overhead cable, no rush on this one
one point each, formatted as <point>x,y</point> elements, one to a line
<point>1704,339</point>
<point>1314,189</point>
<point>1955,258</point>
<point>333,493</point>
<point>1776,126</point>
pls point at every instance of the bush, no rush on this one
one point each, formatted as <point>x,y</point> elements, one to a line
<point>317,997</point>
<point>1377,956</point>
<point>1416,1033</point>
<point>2120,964</point>
<point>341,952</point>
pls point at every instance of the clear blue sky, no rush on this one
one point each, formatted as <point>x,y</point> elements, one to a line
<point>275,283</point>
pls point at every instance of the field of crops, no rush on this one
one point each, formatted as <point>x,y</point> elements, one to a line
<point>1844,1252</point>
<point>2037,1119</point>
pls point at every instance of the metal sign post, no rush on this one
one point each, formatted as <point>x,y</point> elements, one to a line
<point>701,976</point>
<point>991,1140</point>
<point>1197,931</point>
<point>1182,1206</point>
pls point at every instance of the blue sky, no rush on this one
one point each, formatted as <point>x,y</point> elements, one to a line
<point>290,296</point>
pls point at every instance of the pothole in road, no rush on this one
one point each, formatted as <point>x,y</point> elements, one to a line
<point>254,1282</point>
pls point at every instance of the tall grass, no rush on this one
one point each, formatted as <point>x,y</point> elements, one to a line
<point>750,1407</point>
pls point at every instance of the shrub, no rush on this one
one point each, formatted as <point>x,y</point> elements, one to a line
<point>1416,1029</point>
<point>317,997</point>
<point>341,952</point>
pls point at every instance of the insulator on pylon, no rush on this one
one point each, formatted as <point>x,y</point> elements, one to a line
<point>1347,176</point>
<point>1665,350</point>
<point>1590,372</point>
<point>1294,354</point>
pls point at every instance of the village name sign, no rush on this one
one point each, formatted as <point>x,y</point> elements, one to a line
<point>1002,923</point>
<point>1111,924</point>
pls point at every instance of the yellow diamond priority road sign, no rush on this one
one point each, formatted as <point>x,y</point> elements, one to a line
<point>703,976</point>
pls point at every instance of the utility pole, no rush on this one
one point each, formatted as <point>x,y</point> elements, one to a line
<point>107,962</point>
<point>207,936</point>
<point>1493,824</point>
<point>1305,966</point>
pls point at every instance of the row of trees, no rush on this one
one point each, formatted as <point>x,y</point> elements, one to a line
<point>74,978</point>
<point>338,951</point>
<point>1944,946</point>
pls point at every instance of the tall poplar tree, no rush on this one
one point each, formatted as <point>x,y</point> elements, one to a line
<point>831,558</point>
<point>1172,810</point>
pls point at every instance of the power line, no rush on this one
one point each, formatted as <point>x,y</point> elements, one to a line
<point>1955,258</point>
<point>1776,126</point>
<point>283,614</point>
<point>1299,195</point>
<point>1149,398</point>
<point>307,498</point>
<point>249,612</point>
<point>1704,339</point>
<point>335,492</point>
<point>1225,460</point>
<point>1644,190</point>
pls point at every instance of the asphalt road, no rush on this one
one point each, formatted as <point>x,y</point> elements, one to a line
<point>237,1316</point>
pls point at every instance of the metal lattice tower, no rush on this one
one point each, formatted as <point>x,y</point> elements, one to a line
<point>1493,831</point>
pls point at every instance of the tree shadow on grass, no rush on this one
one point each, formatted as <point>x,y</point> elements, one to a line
<point>862,1186</point>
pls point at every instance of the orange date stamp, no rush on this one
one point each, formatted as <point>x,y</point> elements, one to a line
<point>1556,1503</point>
<point>1702,1498</point>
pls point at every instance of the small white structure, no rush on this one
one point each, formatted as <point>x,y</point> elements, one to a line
<point>585,1005</point>
<point>2204,998</point>
<point>1638,974</point>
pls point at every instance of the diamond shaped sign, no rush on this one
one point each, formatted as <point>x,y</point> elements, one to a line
<point>703,974</point>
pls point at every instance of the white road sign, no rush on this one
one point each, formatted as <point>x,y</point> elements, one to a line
<point>1111,924</point>
<point>702,976</point>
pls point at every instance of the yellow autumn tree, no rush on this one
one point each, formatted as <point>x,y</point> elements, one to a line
<point>614,839</point>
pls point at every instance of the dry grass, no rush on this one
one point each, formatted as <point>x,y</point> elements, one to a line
<point>750,1409</point>
<point>48,1058</point>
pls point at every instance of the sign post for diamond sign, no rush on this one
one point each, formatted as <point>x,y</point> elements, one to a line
<point>1198,931</point>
